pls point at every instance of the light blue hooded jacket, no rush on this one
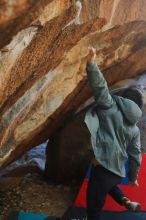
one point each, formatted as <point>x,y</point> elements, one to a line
<point>112,125</point>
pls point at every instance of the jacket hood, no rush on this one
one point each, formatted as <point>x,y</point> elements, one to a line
<point>130,109</point>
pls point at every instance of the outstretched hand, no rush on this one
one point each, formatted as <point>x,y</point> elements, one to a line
<point>91,55</point>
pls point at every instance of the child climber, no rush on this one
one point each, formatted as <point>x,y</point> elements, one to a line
<point>114,137</point>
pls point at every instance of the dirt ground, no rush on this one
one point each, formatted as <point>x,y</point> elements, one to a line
<point>30,192</point>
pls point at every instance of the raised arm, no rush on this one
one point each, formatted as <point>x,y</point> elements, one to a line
<point>97,82</point>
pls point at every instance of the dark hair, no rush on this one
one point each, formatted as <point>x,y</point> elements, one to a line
<point>135,94</point>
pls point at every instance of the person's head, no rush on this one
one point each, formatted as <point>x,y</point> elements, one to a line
<point>135,94</point>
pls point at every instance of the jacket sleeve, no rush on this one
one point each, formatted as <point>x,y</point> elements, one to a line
<point>99,86</point>
<point>135,158</point>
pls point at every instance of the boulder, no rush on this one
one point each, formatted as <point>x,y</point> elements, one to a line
<point>69,151</point>
<point>43,58</point>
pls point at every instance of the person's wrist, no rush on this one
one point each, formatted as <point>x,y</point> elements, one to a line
<point>90,61</point>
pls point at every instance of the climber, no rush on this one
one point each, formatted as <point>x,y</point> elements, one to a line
<point>114,137</point>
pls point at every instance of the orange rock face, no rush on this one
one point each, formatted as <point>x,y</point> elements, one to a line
<point>43,58</point>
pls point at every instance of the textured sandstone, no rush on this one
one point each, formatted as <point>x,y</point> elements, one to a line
<point>35,13</point>
<point>42,69</point>
<point>9,9</point>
